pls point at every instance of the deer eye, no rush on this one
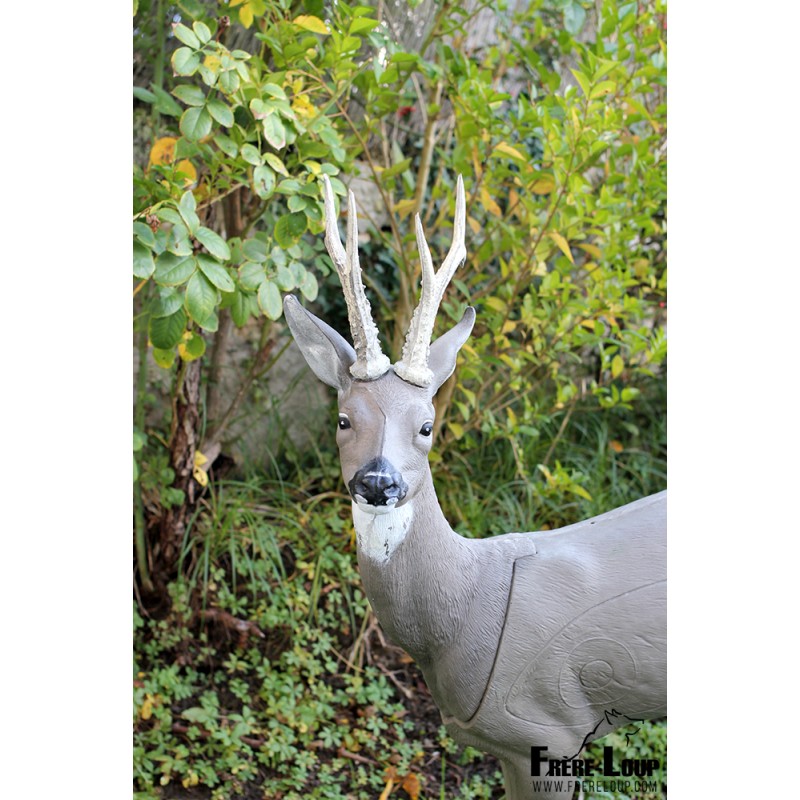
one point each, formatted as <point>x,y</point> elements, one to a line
<point>426,429</point>
<point>344,422</point>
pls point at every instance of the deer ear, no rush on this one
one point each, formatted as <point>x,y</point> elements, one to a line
<point>444,351</point>
<point>327,353</point>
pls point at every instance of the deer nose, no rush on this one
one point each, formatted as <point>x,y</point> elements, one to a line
<point>378,483</point>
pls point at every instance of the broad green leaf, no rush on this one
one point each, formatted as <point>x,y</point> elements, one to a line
<point>164,358</point>
<point>289,228</point>
<point>274,132</point>
<point>251,275</point>
<point>172,270</point>
<point>215,273</point>
<point>201,297</point>
<point>144,233</point>
<point>166,303</point>
<point>276,164</point>
<point>221,112</point>
<point>284,279</point>
<point>214,243</point>
<point>185,61</point>
<point>185,35</point>
<point>269,299</point>
<point>251,155</point>
<point>226,144</point>
<point>273,90</point>
<point>195,124</point>
<point>166,332</point>
<point>309,287</point>
<point>617,365</point>
<point>361,24</point>
<point>507,150</point>
<point>210,323</point>
<point>186,208</point>
<point>309,23</point>
<point>145,95</point>
<point>202,31</point>
<point>143,264</point>
<point>190,95</point>
<point>263,181</point>
<point>240,309</point>
<point>254,250</point>
<point>574,17</point>
<point>229,81</point>
<point>165,103</point>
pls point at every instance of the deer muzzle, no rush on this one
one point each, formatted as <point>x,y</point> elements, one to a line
<point>378,484</point>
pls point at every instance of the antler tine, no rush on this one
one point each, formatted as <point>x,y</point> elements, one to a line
<point>370,361</point>
<point>413,367</point>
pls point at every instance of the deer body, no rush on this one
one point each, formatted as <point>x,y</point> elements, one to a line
<point>546,639</point>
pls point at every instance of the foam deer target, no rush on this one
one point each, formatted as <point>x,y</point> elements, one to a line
<point>543,639</point>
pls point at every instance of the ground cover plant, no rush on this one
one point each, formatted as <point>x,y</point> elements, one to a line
<point>259,670</point>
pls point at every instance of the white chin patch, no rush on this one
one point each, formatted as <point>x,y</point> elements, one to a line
<point>380,529</point>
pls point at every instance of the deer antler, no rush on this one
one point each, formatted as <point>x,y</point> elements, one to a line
<point>413,367</point>
<point>370,361</point>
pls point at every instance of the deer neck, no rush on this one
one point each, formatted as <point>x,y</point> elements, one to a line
<point>423,581</point>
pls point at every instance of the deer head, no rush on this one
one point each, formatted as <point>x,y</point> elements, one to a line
<point>386,411</point>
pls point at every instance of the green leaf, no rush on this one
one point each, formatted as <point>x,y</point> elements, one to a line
<point>164,358</point>
<point>190,95</point>
<point>226,144</point>
<point>172,270</point>
<point>146,96</point>
<point>254,250</point>
<point>240,309</point>
<point>165,103</point>
<point>166,332</point>
<point>276,164</point>
<point>201,297</point>
<point>617,365</point>
<point>215,273</point>
<point>285,279</point>
<point>251,155</point>
<point>229,81</point>
<point>143,264</point>
<point>202,32</point>
<point>274,132</point>
<point>583,81</point>
<point>185,61</point>
<point>602,88</point>
<point>273,90</point>
<point>361,24</point>
<point>144,233</point>
<point>186,208</point>
<point>185,35</point>
<point>221,112</point>
<point>289,228</point>
<point>195,124</point>
<point>574,17</point>
<point>263,181</point>
<point>214,243</point>
<point>251,275</point>
<point>269,299</point>
<point>166,303</point>
<point>309,287</point>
